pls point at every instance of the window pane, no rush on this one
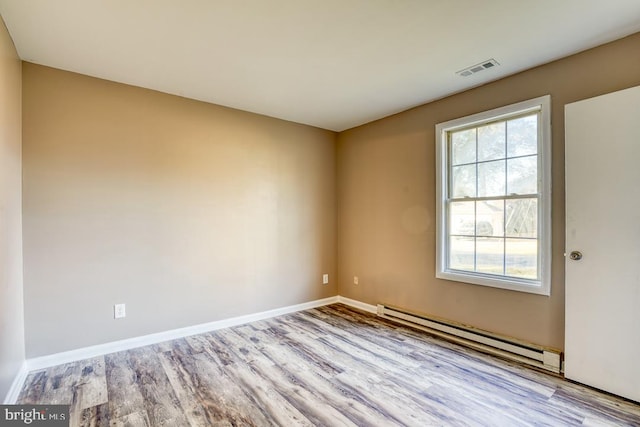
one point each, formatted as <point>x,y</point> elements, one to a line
<point>522,218</point>
<point>522,175</point>
<point>463,181</point>
<point>461,253</point>
<point>462,218</point>
<point>490,255</point>
<point>522,136</point>
<point>491,179</point>
<point>490,218</point>
<point>491,142</point>
<point>521,258</point>
<point>463,147</point>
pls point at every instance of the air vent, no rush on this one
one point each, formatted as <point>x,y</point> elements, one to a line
<point>469,71</point>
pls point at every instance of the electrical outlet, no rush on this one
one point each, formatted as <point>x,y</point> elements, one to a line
<point>119,311</point>
<point>355,280</point>
<point>325,279</point>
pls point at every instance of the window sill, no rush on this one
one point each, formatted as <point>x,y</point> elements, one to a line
<point>509,283</point>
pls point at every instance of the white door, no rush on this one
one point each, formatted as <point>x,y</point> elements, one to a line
<point>602,333</point>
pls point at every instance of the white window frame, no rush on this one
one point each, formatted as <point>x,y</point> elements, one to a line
<point>543,285</point>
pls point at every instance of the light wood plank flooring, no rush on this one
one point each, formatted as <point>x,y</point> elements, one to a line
<point>331,366</point>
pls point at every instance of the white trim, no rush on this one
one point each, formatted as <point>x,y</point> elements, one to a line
<point>358,304</point>
<point>543,286</point>
<point>16,386</point>
<point>126,344</point>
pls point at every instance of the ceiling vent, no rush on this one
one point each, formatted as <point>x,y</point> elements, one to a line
<point>484,65</point>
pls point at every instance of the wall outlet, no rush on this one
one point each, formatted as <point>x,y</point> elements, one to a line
<point>325,279</point>
<point>119,311</point>
<point>355,280</point>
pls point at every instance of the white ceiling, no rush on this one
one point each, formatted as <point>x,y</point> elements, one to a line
<point>333,64</point>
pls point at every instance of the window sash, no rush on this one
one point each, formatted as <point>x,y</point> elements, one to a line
<point>504,236</point>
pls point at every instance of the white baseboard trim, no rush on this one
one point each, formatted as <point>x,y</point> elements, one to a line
<point>358,304</point>
<point>126,344</point>
<point>17,384</point>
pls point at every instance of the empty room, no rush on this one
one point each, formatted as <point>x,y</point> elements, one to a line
<point>319,213</point>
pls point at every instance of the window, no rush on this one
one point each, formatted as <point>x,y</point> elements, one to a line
<point>493,201</point>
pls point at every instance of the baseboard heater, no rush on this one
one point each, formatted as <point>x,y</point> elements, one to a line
<point>510,348</point>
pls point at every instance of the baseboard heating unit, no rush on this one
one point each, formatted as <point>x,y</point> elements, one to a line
<point>510,348</point>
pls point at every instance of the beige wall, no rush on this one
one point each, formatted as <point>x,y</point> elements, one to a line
<point>386,198</point>
<point>11,300</point>
<point>190,212</point>
<point>187,212</point>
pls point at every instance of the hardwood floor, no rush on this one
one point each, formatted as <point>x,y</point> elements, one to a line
<point>331,366</point>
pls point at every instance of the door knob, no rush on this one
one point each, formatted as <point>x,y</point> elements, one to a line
<point>575,255</point>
